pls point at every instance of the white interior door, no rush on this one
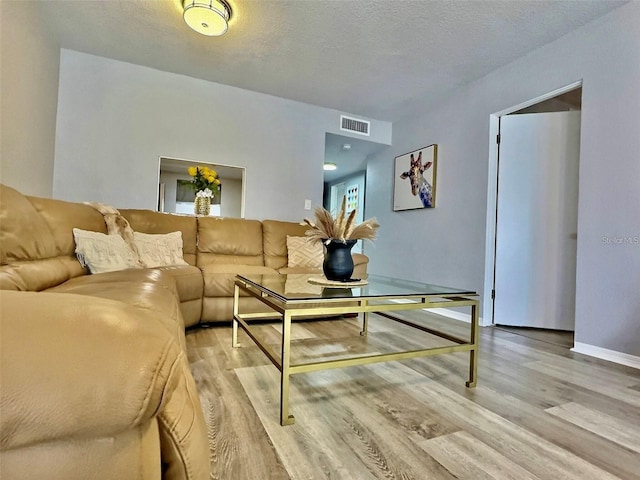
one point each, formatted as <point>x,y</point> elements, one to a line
<point>537,220</point>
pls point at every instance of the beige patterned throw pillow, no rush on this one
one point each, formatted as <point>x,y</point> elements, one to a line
<point>303,252</point>
<point>103,253</point>
<point>160,250</point>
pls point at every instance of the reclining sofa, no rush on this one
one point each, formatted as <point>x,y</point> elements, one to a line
<point>94,373</point>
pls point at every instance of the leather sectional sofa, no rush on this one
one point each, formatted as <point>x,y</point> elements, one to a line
<point>94,375</point>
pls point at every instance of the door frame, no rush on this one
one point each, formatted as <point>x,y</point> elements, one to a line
<point>492,196</point>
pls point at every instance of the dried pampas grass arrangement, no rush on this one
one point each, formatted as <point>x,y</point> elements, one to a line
<point>340,228</point>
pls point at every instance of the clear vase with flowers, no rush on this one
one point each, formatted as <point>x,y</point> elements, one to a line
<point>206,183</point>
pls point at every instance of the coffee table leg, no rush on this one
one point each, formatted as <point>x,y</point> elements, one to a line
<point>365,323</point>
<point>473,354</point>
<point>236,298</point>
<point>285,418</point>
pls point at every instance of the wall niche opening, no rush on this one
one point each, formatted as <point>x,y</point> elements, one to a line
<point>176,196</point>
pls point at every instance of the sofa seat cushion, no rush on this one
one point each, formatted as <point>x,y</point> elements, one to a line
<point>148,290</point>
<point>191,312</point>
<point>131,450</point>
<point>219,279</point>
<point>189,283</point>
<point>143,275</point>
<point>39,275</point>
<point>68,368</point>
<point>190,290</point>
<point>220,309</point>
<point>97,378</point>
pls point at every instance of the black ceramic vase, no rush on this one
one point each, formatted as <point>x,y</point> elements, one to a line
<point>338,263</point>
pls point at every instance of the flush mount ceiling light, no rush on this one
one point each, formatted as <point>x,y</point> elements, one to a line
<point>208,17</point>
<point>329,166</point>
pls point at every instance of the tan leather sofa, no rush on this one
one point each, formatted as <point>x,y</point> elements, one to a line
<point>94,377</point>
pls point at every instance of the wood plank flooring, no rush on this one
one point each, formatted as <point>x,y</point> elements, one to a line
<point>539,411</point>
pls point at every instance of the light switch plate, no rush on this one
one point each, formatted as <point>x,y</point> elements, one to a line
<point>307,204</point>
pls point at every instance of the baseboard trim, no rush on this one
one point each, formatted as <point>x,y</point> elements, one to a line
<point>605,354</point>
<point>447,312</point>
<point>463,317</point>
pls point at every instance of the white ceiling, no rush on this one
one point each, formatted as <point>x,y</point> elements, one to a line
<point>366,57</point>
<point>381,59</point>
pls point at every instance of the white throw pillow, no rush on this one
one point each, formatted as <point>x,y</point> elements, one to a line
<point>103,253</point>
<point>303,252</point>
<point>159,250</point>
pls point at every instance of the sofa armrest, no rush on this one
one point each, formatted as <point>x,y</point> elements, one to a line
<point>359,259</point>
<point>73,366</point>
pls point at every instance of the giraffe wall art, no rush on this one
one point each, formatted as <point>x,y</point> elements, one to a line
<point>415,179</point>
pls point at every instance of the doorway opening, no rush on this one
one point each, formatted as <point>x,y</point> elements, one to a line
<point>532,213</point>
<point>349,177</point>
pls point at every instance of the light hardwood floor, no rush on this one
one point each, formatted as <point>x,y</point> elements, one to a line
<point>539,411</point>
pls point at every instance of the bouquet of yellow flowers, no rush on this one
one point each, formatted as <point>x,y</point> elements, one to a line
<point>204,179</point>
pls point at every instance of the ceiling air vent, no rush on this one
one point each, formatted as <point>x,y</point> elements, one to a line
<point>354,125</point>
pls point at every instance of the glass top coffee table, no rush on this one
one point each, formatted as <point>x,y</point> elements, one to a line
<point>294,296</point>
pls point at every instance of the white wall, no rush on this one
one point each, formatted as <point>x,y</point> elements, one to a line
<point>115,119</point>
<point>29,62</point>
<point>446,245</point>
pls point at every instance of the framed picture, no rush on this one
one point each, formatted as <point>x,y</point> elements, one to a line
<point>414,179</point>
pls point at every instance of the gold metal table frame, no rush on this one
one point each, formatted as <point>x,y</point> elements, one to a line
<point>287,308</point>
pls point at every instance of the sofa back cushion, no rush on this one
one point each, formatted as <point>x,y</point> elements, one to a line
<point>35,253</point>
<point>24,235</point>
<point>275,241</point>
<point>148,221</point>
<point>62,217</point>
<point>229,241</point>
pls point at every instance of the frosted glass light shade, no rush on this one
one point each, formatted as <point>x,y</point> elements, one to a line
<point>208,17</point>
<point>329,166</point>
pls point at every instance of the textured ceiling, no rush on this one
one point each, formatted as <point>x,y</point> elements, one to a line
<point>366,57</point>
